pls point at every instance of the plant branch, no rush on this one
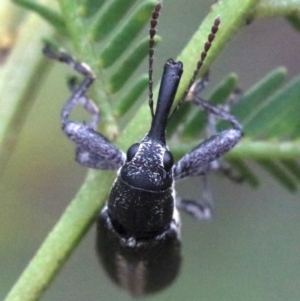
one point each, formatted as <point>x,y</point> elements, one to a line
<point>272,8</point>
<point>84,50</point>
<point>249,149</point>
<point>18,78</point>
<point>64,237</point>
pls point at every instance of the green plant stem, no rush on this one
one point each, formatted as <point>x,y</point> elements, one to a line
<point>63,238</point>
<point>84,50</point>
<point>45,12</point>
<point>10,16</point>
<point>272,8</point>
<point>92,195</point>
<point>18,77</point>
<point>249,149</point>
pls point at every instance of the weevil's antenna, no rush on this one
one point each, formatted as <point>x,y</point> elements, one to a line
<point>152,33</point>
<point>207,46</point>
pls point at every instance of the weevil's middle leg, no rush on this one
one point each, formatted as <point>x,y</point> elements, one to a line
<point>92,149</point>
<point>201,210</point>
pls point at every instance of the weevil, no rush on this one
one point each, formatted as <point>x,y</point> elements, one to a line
<point>142,204</point>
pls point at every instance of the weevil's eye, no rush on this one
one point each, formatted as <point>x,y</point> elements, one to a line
<point>168,160</point>
<point>132,150</point>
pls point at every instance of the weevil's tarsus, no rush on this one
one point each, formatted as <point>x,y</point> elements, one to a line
<point>198,86</point>
<point>63,57</point>
<point>198,210</point>
<point>81,68</point>
<point>217,111</point>
<point>230,172</point>
<point>152,33</point>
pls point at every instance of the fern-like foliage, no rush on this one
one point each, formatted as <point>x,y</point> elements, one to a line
<point>270,117</point>
<point>109,29</point>
<point>268,113</point>
<point>102,33</point>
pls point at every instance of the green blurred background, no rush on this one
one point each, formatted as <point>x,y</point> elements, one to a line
<point>248,252</point>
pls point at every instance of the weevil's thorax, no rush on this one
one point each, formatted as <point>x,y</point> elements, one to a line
<point>146,170</point>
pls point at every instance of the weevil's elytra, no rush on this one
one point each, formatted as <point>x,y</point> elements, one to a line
<point>142,270</point>
<point>142,206</point>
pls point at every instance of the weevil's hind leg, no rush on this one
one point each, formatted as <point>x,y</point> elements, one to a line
<point>198,210</point>
<point>227,170</point>
<point>201,210</point>
<point>92,149</point>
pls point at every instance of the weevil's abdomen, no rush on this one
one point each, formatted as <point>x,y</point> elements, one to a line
<point>140,213</point>
<point>144,268</point>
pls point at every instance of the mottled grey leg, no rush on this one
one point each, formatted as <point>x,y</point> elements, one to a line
<point>198,161</point>
<point>220,165</point>
<point>204,157</point>
<point>201,210</point>
<point>198,210</point>
<point>92,149</point>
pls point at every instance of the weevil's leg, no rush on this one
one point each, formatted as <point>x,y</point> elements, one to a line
<point>227,170</point>
<point>220,165</point>
<point>92,149</point>
<point>198,87</point>
<point>201,210</point>
<point>196,209</point>
<point>198,161</point>
<point>78,93</point>
<point>204,157</point>
<point>87,103</point>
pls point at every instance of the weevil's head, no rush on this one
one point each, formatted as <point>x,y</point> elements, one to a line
<point>148,166</point>
<point>149,163</point>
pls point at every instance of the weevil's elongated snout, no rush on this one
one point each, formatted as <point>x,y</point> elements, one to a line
<point>149,163</point>
<point>167,91</point>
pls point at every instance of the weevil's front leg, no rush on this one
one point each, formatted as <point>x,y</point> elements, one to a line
<point>211,129</point>
<point>198,161</point>
<point>92,149</point>
<point>203,157</point>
